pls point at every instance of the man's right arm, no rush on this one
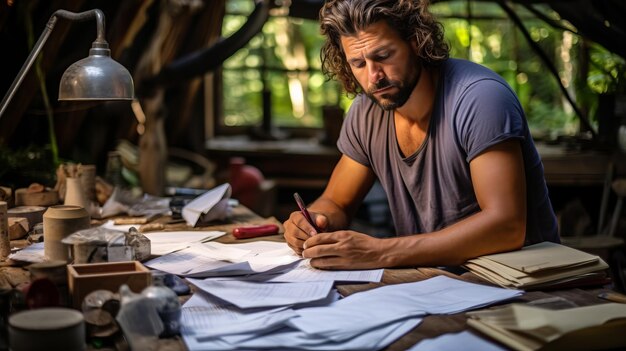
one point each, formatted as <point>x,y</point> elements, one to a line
<point>348,185</point>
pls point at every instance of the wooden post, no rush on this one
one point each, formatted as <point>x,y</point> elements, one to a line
<point>5,243</point>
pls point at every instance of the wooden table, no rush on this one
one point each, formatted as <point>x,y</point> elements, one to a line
<point>432,325</point>
<point>436,325</point>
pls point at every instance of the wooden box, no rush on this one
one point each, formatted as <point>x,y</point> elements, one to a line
<point>85,278</point>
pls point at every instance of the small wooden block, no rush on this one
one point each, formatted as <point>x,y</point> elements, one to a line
<point>18,227</point>
<point>6,194</point>
<point>45,198</point>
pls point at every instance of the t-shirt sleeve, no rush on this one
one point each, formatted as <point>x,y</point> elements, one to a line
<point>352,141</point>
<point>487,113</point>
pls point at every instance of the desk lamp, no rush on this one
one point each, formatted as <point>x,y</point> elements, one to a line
<point>97,77</point>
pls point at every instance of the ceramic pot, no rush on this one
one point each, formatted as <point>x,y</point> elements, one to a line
<point>88,181</point>
<point>245,181</point>
<point>75,194</point>
<point>47,329</point>
<point>56,272</point>
<point>59,222</point>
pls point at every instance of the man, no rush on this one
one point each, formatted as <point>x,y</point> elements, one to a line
<point>446,138</point>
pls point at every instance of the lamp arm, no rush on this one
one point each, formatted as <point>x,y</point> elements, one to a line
<point>81,16</point>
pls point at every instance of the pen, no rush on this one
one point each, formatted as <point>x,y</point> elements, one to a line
<point>612,296</point>
<point>305,212</point>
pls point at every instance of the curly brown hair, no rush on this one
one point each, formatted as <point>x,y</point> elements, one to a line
<point>410,18</point>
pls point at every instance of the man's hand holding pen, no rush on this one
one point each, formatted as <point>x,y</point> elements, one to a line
<point>342,249</point>
<point>305,213</point>
<point>301,225</point>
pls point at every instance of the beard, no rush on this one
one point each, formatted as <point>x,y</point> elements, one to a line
<point>391,101</point>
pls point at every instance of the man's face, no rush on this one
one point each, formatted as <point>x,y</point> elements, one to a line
<point>383,63</point>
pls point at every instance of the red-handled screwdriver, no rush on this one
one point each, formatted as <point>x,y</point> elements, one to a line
<point>255,231</point>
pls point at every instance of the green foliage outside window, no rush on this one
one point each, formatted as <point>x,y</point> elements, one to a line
<point>284,59</point>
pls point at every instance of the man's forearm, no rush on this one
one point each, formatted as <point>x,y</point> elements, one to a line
<point>476,235</point>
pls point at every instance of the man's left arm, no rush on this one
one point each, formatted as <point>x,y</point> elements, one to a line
<point>500,187</point>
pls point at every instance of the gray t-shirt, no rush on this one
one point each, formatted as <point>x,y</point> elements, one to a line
<point>432,188</point>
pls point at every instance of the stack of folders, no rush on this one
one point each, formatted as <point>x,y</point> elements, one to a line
<point>540,266</point>
<point>523,327</point>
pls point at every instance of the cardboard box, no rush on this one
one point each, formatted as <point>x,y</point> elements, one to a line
<point>85,278</point>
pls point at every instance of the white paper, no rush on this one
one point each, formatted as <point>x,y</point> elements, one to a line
<point>464,340</point>
<point>290,339</point>
<point>226,252</point>
<point>211,205</point>
<point>348,317</point>
<point>188,262</point>
<point>204,316</point>
<point>162,243</point>
<point>32,253</point>
<point>215,259</point>
<point>304,272</point>
<point>110,224</point>
<point>259,246</point>
<point>263,256</point>
<point>258,294</point>
<point>368,320</point>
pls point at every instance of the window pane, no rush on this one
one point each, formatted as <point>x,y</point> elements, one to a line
<point>283,59</point>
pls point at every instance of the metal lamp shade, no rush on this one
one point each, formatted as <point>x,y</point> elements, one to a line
<point>97,77</point>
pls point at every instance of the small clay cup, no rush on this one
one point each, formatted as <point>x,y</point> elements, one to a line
<point>58,223</point>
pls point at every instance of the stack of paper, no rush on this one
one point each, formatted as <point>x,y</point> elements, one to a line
<point>312,317</point>
<point>540,266</point>
<point>524,327</point>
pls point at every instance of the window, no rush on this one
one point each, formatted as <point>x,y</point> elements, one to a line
<point>279,70</point>
<point>280,67</point>
<point>483,33</point>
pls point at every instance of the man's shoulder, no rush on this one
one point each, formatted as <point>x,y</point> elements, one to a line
<point>460,75</point>
<point>467,71</point>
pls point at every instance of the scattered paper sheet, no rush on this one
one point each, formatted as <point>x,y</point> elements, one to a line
<point>110,224</point>
<point>205,316</point>
<point>162,243</point>
<point>368,320</point>
<point>32,253</point>
<point>257,294</point>
<point>290,339</point>
<point>438,295</point>
<point>188,262</point>
<point>215,259</point>
<point>212,205</point>
<point>305,272</point>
